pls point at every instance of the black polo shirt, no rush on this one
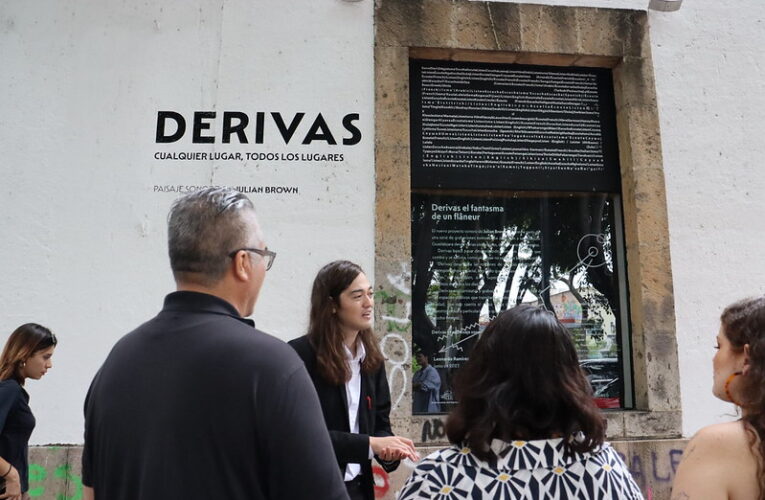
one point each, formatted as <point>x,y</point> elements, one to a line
<point>198,404</point>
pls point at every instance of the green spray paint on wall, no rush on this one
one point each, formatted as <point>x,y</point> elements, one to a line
<point>37,474</point>
<point>54,473</point>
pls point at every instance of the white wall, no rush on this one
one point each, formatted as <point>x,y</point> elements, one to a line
<point>710,80</point>
<point>83,247</point>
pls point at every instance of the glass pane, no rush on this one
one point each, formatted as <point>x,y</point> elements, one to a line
<point>475,255</point>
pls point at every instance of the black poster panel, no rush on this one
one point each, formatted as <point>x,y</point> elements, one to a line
<point>512,126</point>
<point>459,272</point>
<point>476,255</point>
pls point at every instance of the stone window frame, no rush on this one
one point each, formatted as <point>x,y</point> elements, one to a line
<point>463,30</point>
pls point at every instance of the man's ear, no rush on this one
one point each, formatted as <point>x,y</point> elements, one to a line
<point>745,369</point>
<point>242,266</point>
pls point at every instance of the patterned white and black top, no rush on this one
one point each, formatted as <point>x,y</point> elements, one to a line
<point>538,470</point>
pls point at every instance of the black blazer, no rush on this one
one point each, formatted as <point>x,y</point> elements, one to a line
<point>374,415</point>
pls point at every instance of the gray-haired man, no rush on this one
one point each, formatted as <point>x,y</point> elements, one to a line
<point>196,403</point>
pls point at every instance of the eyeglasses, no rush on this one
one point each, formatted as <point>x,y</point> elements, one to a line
<point>266,254</point>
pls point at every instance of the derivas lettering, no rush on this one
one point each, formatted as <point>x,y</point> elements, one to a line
<point>172,127</point>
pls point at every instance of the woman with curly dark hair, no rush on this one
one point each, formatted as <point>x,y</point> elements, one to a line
<point>525,425</point>
<point>347,368</point>
<point>725,461</point>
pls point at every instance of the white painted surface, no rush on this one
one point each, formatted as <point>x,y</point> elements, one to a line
<point>84,249</point>
<point>710,80</point>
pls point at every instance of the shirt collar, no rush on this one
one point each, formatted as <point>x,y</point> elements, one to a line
<point>360,352</point>
<point>202,302</point>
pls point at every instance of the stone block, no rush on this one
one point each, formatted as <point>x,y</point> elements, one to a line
<point>439,23</point>
<point>506,25</point>
<point>391,96</point>
<point>546,29</point>
<point>639,138</point>
<point>546,59</point>
<point>399,24</point>
<point>471,24</point>
<point>614,424</point>
<point>601,32</point>
<point>488,56</point>
<point>652,424</point>
<point>634,83</point>
<point>597,61</point>
<point>392,215</point>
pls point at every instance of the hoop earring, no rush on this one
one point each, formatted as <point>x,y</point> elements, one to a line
<point>23,364</point>
<point>727,387</point>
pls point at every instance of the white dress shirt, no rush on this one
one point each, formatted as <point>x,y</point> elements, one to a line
<point>353,394</point>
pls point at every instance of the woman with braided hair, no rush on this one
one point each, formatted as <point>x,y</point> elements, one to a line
<point>725,461</point>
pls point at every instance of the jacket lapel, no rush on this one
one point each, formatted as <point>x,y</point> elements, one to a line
<point>366,403</point>
<point>344,399</point>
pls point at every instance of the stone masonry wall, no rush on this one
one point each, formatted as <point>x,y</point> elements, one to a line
<point>55,471</point>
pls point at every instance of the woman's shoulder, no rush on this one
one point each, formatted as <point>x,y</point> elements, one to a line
<point>10,388</point>
<point>719,462</point>
<point>726,436</point>
<point>723,447</point>
<point>10,384</point>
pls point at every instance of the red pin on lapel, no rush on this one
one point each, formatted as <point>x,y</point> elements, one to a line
<point>369,402</point>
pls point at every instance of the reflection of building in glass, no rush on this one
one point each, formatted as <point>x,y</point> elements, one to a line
<point>567,308</point>
<point>592,324</point>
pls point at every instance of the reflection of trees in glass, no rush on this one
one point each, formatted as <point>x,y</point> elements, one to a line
<point>453,283</point>
<point>539,248</point>
<point>492,264</point>
<point>580,250</point>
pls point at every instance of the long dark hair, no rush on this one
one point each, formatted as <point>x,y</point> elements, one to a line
<point>23,343</point>
<point>523,382</point>
<point>324,331</point>
<point>744,323</point>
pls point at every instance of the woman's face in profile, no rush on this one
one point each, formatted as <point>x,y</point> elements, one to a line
<point>38,363</point>
<point>726,361</point>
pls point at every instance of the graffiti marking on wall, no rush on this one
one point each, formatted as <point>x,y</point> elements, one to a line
<point>660,470</point>
<point>396,314</point>
<point>433,430</point>
<point>38,474</point>
<point>382,483</point>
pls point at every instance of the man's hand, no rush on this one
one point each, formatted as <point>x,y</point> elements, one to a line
<point>391,448</point>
